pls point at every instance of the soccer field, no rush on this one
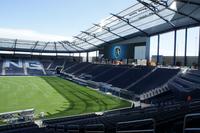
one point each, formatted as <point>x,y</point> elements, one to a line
<point>54,96</point>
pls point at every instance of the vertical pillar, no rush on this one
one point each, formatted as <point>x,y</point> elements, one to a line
<point>185,57</point>
<point>79,57</point>
<point>175,42</point>
<point>158,50</point>
<point>87,57</point>
<point>96,54</point>
<point>147,54</point>
<point>199,51</point>
<point>96,59</point>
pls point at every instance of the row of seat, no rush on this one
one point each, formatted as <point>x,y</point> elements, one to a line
<point>119,122</point>
<point>183,86</point>
<point>135,79</point>
<point>186,84</point>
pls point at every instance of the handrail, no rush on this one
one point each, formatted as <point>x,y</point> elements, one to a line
<point>185,129</point>
<point>97,130</point>
<point>73,130</point>
<point>136,130</point>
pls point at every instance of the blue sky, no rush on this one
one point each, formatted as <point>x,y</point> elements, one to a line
<point>63,18</point>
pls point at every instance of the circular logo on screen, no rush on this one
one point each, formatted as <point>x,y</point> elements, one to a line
<point>117,51</point>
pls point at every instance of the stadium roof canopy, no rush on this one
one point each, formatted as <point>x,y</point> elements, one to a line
<point>145,18</point>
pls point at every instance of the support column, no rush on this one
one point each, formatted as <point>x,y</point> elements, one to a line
<point>79,57</point>
<point>87,57</point>
<point>147,53</point>
<point>185,58</point>
<point>175,42</point>
<point>158,50</point>
<point>199,51</point>
<point>96,55</point>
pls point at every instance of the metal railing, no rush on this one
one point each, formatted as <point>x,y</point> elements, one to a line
<point>95,128</point>
<point>191,118</point>
<point>73,129</point>
<point>130,126</point>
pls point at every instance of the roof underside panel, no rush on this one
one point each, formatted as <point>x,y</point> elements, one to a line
<point>144,18</point>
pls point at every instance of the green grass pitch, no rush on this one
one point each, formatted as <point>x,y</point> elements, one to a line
<point>54,96</point>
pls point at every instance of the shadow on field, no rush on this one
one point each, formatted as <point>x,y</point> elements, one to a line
<point>80,102</point>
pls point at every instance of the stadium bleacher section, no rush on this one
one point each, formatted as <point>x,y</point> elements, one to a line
<point>130,76</point>
<point>11,68</point>
<point>172,120</point>
<point>46,63</point>
<point>98,70</point>
<point>56,63</point>
<point>108,75</point>
<point>75,66</point>
<point>32,67</point>
<point>137,79</point>
<point>186,84</point>
<point>155,79</point>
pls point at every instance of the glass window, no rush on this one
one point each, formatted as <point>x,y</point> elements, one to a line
<point>76,54</point>
<point>153,48</point>
<point>167,48</point>
<point>193,46</point>
<point>92,56</point>
<point>84,56</point>
<point>180,47</point>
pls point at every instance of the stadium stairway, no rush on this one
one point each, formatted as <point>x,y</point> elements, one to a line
<point>158,91</point>
<point>181,87</point>
<point>186,84</point>
<point>56,63</point>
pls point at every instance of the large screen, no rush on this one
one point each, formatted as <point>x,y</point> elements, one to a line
<point>118,52</point>
<point>124,51</point>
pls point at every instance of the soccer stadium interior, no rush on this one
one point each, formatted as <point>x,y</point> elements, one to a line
<point>112,78</point>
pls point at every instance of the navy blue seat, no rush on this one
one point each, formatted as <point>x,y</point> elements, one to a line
<point>129,77</point>
<point>107,75</point>
<point>156,79</point>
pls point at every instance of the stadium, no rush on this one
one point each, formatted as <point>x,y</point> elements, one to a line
<point>137,71</point>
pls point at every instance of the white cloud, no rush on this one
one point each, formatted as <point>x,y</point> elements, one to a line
<point>25,34</point>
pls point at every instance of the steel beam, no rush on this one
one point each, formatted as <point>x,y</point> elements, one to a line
<point>15,45</point>
<point>178,12</point>
<point>158,50</point>
<point>128,22</point>
<point>44,47</point>
<point>55,48</point>
<point>36,43</point>
<point>154,10</point>
<point>199,51</point>
<point>186,37</point>
<point>94,36</point>
<point>175,42</point>
<point>68,44</point>
<point>108,30</point>
<point>84,40</point>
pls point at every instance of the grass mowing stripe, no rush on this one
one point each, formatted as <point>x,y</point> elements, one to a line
<point>54,96</point>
